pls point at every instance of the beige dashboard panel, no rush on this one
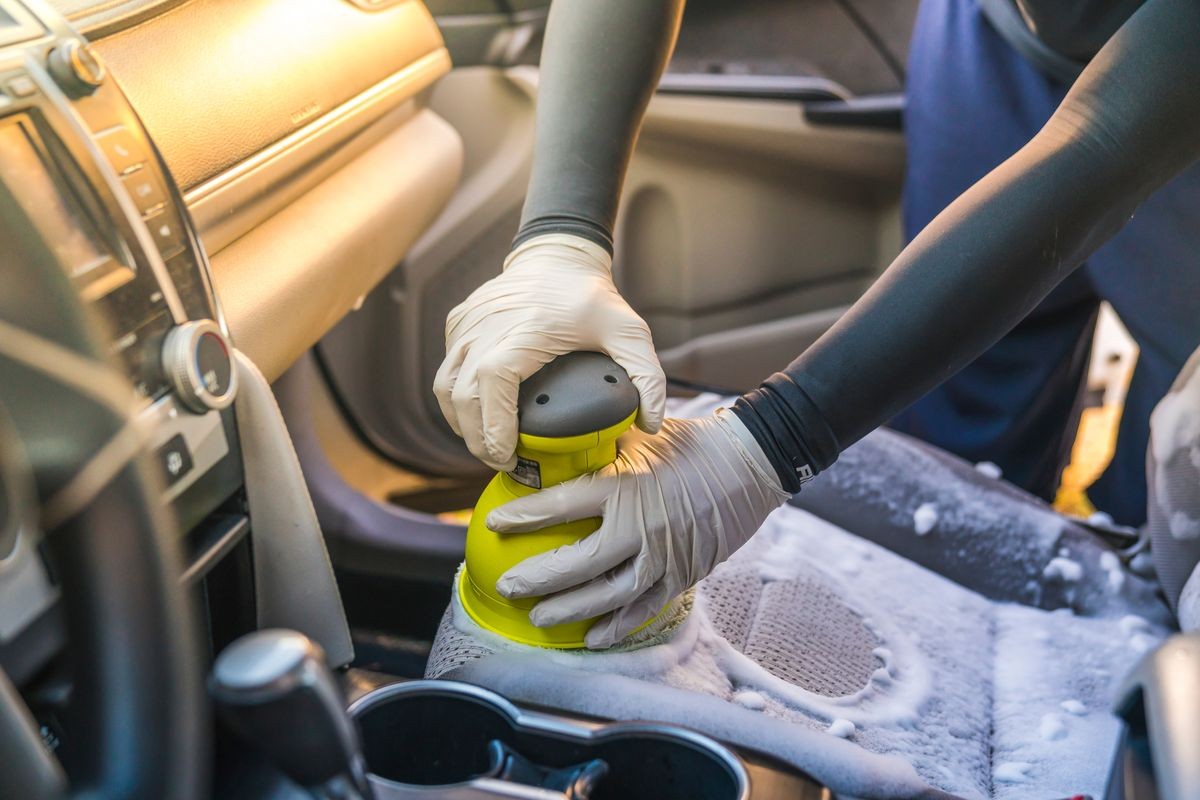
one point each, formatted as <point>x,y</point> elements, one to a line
<point>292,278</point>
<point>217,81</point>
<point>299,134</point>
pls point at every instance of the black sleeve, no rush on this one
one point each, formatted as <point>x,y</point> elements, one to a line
<point>600,64</point>
<point>1130,123</point>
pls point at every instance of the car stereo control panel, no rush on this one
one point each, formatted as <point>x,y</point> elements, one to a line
<point>86,178</point>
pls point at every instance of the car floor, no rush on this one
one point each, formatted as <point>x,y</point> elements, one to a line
<point>392,621</point>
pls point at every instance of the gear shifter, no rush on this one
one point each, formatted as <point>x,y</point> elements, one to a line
<point>274,688</point>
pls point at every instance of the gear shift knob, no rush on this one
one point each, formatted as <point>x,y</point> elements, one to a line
<point>274,688</point>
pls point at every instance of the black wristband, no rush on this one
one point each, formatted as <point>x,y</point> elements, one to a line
<point>576,226</point>
<point>790,428</point>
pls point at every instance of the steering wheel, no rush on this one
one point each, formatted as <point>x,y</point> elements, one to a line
<point>73,465</point>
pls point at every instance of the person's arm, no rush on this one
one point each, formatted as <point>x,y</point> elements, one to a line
<point>1131,123</point>
<point>600,64</point>
<point>676,505</point>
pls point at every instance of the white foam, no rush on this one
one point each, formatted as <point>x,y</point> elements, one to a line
<point>1052,728</point>
<point>1183,526</point>
<point>964,684</point>
<point>841,728</point>
<point>850,565</point>
<point>1064,569</point>
<point>1012,772</point>
<point>924,518</point>
<point>751,700</point>
<point>989,469</point>
<point>1132,623</point>
<point>1074,707</point>
<point>1114,572</point>
<point>1143,642</point>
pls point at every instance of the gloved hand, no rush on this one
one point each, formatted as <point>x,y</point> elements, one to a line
<point>555,296</point>
<point>674,506</point>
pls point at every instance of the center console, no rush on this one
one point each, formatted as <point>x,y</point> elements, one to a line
<point>76,159</point>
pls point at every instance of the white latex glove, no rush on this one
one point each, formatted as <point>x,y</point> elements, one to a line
<point>674,506</point>
<point>555,296</point>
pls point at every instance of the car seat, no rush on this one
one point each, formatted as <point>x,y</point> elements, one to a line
<point>909,626</point>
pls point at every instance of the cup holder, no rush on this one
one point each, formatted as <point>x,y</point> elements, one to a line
<point>427,735</point>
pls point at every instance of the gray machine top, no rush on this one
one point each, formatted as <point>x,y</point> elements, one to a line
<point>574,394</point>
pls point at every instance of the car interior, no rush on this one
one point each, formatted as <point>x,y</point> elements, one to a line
<point>231,512</point>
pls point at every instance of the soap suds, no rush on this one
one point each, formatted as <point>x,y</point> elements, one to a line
<point>1074,707</point>
<point>1012,772</point>
<point>1052,728</point>
<point>989,469</point>
<point>1183,526</point>
<point>1143,642</point>
<point>924,518</point>
<point>1114,572</point>
<point>850,565</point>
<point>964,683</point>
<point>1064,569</point>
<point>751,700</point>
<point>841,728</point>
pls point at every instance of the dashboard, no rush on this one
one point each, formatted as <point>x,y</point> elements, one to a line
<point>81,179</point>
<point>208,174</point>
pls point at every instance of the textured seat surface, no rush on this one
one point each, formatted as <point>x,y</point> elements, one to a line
<point>873,673</point>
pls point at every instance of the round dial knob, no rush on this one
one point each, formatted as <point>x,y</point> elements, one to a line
<point>197,360</point>
<point>76,67</point>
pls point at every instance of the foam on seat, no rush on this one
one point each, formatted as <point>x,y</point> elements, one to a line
<point>959,697</point>
<point>870,672</point>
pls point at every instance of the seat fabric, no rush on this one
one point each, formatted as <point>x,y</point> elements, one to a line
<point>871,672</point>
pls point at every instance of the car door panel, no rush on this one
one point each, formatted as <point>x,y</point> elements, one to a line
<point>738,214</point>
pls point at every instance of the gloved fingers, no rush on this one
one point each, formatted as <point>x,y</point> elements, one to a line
<point>567,567</point>
<point>610,590</point>
<point>465,400</point>
<point>571,500</point>
<point>635,353</point>
<point>444,381</point>
<point>499,375</point>
<point>617,625</point>
<point>484,398</point>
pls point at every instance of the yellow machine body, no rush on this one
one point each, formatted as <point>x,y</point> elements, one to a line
<point>542,462</point>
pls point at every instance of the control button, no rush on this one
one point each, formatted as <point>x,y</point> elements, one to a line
<point>76,67</point>
<point>21,86</point>
<point>175,459</point>
<point>145,189</point>
<point>167,232</point>
<point>214,363</point>
<point>197,359</point>
<point>121,148</point>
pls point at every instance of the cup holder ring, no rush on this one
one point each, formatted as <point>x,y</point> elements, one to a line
<point>421,737</point>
